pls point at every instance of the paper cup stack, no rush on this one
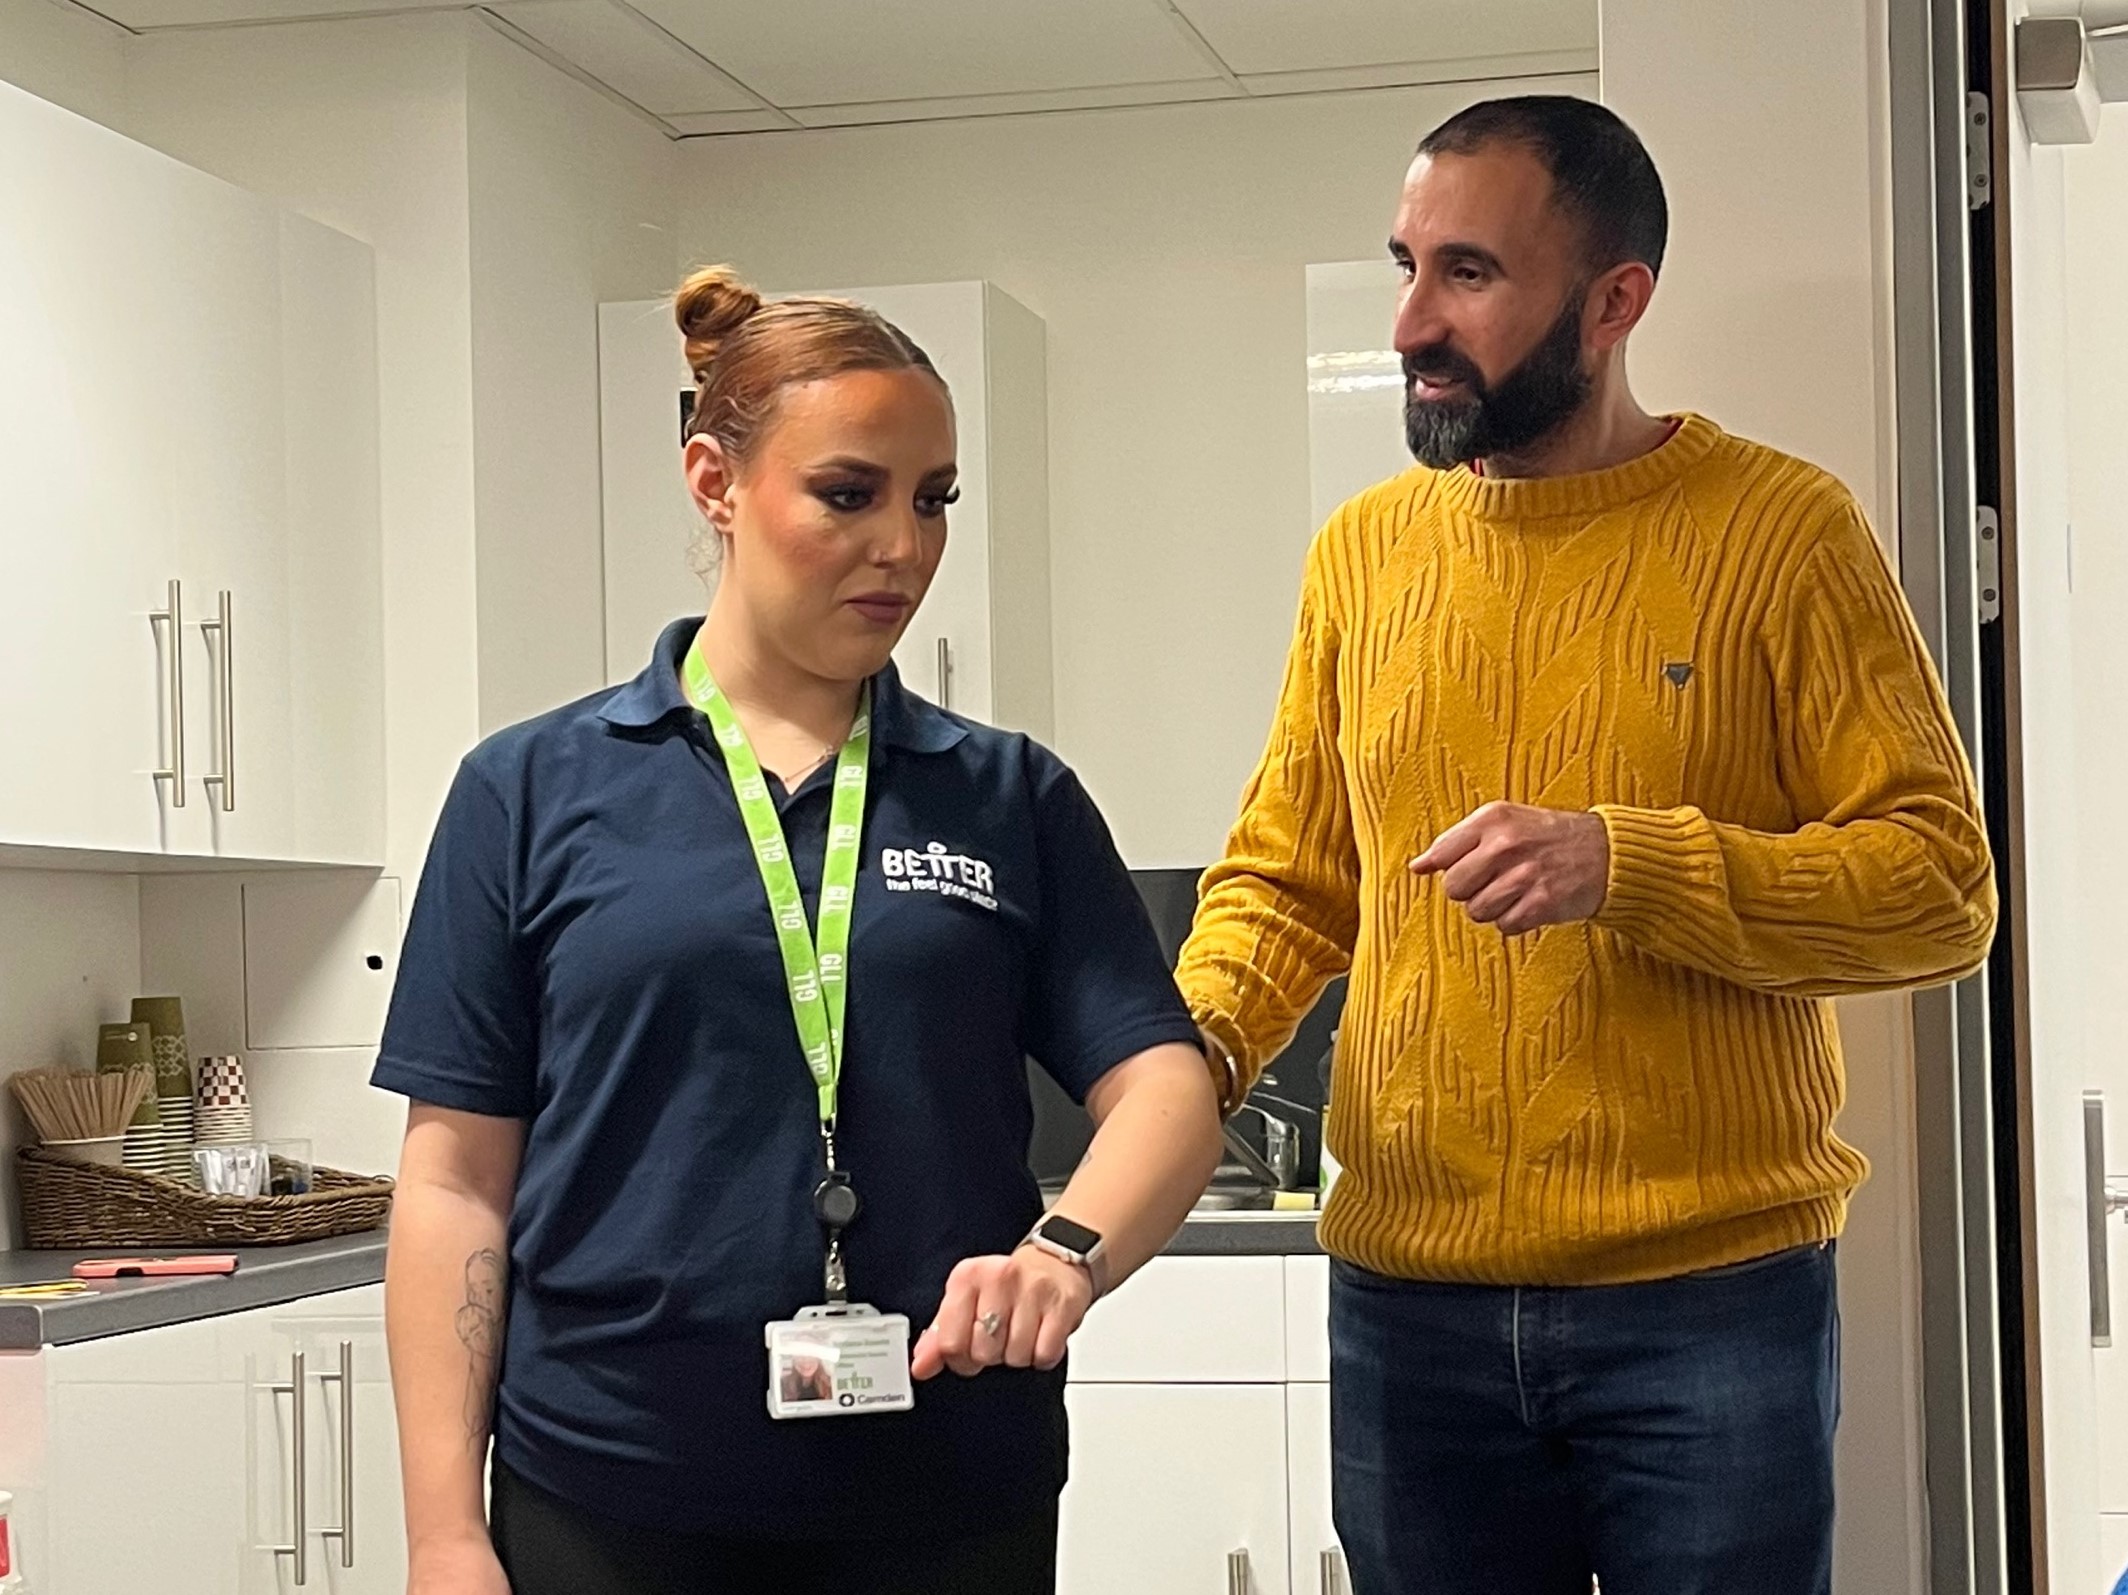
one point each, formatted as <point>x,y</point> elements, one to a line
<point>132,1046</point>
<point>164,1017</point>
<point>224,1111</point>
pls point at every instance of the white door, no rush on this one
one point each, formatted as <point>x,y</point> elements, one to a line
<point>143,1490</point>
<point>1175,1490</point>
<point>1318,1560</point>
<point>86,697</point>
<point>352,1440</point>
<point>309,733</point>
<point>213,468</point>
<point>345,1450</point>
<point>268,473</point>
<point>2069,213</point>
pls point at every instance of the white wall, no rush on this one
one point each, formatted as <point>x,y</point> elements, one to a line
<point>1165,250</point>
<point>69,961</point>
<point>1770,127</point>
<point>570,205</point>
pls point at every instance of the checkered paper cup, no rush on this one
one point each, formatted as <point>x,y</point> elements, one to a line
<point>221,1084</point>
<point>223,1110</point>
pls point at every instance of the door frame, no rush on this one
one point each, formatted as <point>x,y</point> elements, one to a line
<point>1981,1440</point>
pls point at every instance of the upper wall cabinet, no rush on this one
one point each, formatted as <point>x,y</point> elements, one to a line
<point>191,667</point>
<point>981,643</point>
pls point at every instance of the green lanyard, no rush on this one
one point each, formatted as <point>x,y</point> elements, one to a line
<point>817,975</point>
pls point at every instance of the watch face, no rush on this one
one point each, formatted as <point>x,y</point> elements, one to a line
<point>1072,1237</point>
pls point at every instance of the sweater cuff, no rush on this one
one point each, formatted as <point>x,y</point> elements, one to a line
<point>1223,1058</point>
<point>1666,872</point>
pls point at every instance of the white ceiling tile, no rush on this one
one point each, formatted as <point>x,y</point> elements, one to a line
<point>146,14</point>
<point>1310,35</point>
<point>629,54</point>
<point>845,52</point>
<point>955,106</point>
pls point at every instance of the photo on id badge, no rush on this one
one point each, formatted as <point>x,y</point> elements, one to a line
<point>839,1362</point>
<point>802,1376</point>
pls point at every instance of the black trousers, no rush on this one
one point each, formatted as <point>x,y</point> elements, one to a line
<point>549,1547</point>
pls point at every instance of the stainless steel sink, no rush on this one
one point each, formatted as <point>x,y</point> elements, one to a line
<point>1234,1196</point>
<point>1226,1194</point>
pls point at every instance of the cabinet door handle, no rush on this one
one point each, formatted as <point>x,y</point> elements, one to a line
<point>1333,1572</point>
<point>945,672</point>
<point>298,1485</point>
<point>225,702</point>
<point>2103,1197</point>
<point>174,614</point>
<point>1238,1580</point>
<point>345,1379</point>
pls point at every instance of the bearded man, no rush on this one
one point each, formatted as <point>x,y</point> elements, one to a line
<point>1607,753</point>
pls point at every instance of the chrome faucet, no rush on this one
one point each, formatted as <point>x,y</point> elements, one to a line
<point>1279,1167</point>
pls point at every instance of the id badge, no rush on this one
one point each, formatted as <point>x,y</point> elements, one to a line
<point>837,1362</point>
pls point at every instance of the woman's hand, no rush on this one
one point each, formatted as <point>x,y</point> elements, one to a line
<point>1013,1312</point>
<point>466,1566</point>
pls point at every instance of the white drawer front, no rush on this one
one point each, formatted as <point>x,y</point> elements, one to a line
<point>1189,1320</point>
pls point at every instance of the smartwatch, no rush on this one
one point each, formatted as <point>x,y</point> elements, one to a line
<point>1074,1243</point>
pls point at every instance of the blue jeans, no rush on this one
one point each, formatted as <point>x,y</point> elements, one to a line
<point>1672,1438</point>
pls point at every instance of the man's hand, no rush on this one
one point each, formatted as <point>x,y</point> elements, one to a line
<point>1522,868</point>
<point>1015,1311</point>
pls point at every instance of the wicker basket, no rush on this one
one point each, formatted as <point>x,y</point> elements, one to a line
<point>69,1206</point>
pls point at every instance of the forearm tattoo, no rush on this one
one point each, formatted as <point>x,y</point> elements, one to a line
<point>479,1323</point>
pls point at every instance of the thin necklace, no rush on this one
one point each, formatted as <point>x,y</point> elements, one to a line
<point>799,779</point>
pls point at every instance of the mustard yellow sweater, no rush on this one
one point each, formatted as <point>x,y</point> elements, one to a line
<point>1705,646</point>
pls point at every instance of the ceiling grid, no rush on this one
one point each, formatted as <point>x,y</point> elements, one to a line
<point>715,68</point>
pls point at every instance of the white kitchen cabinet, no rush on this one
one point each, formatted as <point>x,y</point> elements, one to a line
<point>981,642</point>
<point>188,410</point>
<point>351,1519</point>
<point>1318,1560</point>
<point>143,1495</point>
<point>1201,1427</point>
<point>1175,1490</point>
<point>168,1461</point>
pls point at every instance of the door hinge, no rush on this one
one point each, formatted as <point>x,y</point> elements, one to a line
<point>1979,151</point>
<point>1987,552</point>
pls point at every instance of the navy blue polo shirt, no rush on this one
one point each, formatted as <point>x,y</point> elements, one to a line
<point>591,951</point>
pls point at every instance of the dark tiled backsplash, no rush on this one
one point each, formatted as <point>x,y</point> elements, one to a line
<point>1061,1127</point>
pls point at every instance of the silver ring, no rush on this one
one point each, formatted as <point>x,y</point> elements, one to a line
<point>991,1324</point>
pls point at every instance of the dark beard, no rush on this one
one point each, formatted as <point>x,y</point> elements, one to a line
<point>1528,404</point>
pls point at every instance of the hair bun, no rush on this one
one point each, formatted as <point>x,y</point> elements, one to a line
<point>711,305</point>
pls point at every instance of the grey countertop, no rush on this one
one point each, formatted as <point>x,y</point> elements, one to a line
<point>266,1276</point>
<point>269,1276</point>
<point>1247,1234</point>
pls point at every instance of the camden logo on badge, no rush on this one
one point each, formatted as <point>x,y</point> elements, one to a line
<point>938,870</point>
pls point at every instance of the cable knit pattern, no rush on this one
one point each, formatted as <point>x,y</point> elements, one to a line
<point>1706,647</point>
